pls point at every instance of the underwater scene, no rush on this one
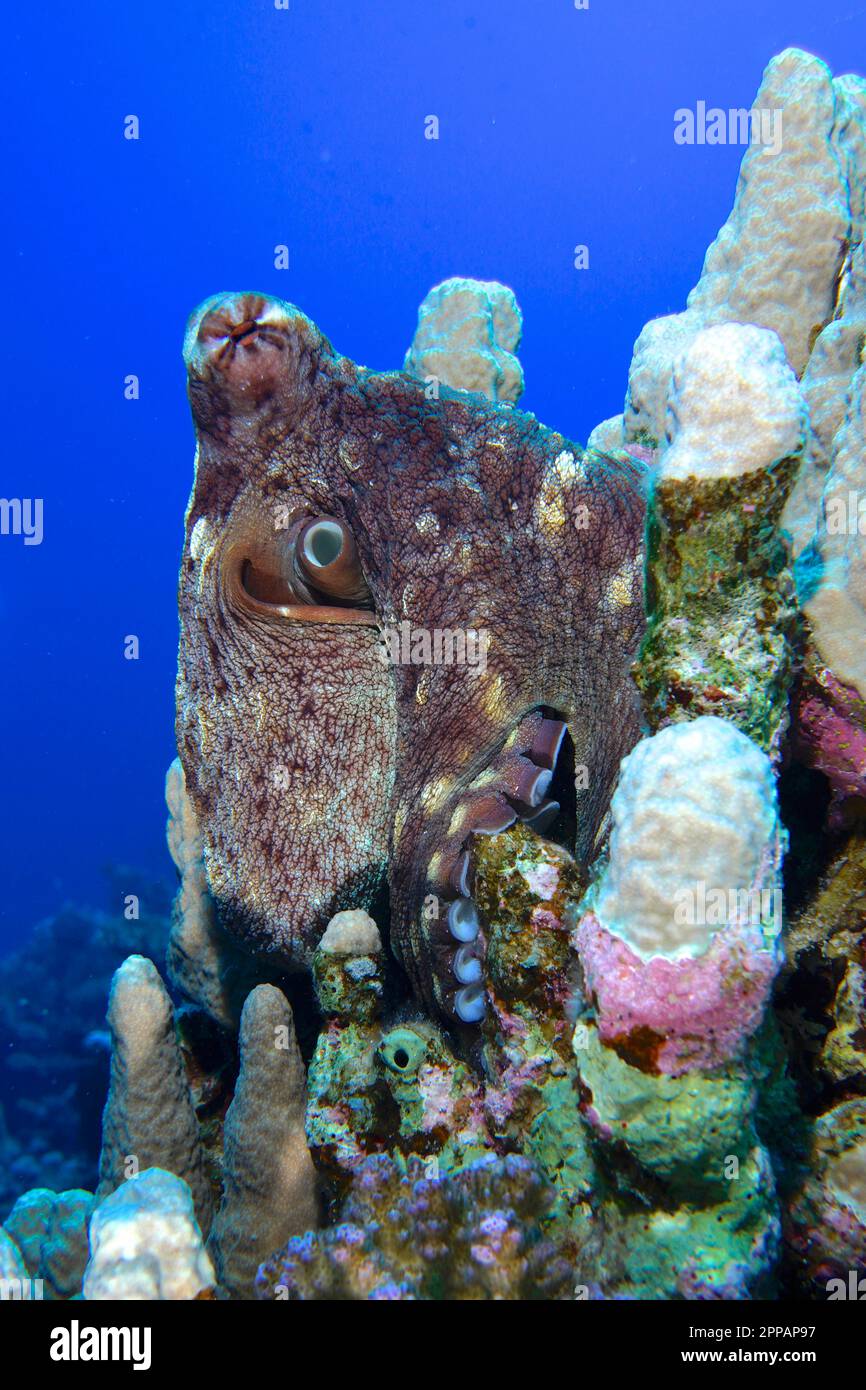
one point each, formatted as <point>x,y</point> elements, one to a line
<point>435,854</point>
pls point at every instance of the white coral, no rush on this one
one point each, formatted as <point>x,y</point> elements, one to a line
<point>145,1243</point>
<point>837,610</point>
<point>734,405</point>
<point>776,261</point>
<point>694,812</point>
<point>846,1177</point>
<point>351,933</point>
<point>467,335</point>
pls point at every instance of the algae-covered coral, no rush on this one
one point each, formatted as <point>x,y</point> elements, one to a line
<point>518,948</point>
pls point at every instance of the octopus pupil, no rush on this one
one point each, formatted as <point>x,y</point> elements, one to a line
<point>401,1057</point>
<point>324,544</point>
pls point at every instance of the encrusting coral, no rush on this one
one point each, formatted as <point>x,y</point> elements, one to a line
<point>475,1235</point>
<point>684,1199</point>
<point>679,939</point>
<point>373,1088</point>
<point>721,600</point>
<point>679,945</point>
<point>348,968</point>
<point>528,890</point>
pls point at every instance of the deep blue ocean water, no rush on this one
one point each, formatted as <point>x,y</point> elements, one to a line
<point>302,127</point>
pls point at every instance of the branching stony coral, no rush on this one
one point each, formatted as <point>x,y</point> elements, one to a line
<point>474,1235</point>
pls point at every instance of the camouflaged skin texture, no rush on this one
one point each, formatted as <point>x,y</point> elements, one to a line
<point>321,769</point>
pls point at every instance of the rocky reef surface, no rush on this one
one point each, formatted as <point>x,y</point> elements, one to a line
<point>636,1065</point>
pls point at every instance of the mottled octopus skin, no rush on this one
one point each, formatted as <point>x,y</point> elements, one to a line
<point>319,770</point>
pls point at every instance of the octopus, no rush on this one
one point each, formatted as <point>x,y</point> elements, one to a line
<point>407,620</point>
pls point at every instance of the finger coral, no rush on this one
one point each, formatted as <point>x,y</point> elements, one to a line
<point>762,269</point>
<point>270,1189</point>
<point>721,601</point>
<point>149,1120</point>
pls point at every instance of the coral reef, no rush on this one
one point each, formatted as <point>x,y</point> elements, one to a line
<point>679,946</point>
<point>741,453</point>
<point>485,985</point>
<point>53,1039</point>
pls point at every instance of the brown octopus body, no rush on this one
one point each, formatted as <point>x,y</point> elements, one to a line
<point>394,602</point>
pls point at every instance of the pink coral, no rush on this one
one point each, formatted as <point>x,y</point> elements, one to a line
<point>671,1016</point>
<point>831,736</point>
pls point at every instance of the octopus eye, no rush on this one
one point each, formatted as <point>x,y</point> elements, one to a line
<point>323,543</point>
<point>327,561</point>
<point>308,571</point>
